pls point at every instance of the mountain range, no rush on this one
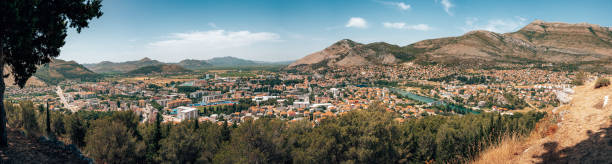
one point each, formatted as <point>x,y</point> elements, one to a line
<point>576,46</point>
<point>580,46</point>
<point>193,64</point>
<point>59,70</point>
<point>162,68</point>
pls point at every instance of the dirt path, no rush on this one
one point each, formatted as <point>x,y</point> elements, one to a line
<point>584,132</point>
<point>26,150</point>
<point>579,132</point>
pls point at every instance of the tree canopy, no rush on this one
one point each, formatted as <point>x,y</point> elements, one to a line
<point>371,135</point>
<point>32,33</point>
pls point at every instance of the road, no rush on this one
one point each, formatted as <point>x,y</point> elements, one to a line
<point>71,107</point>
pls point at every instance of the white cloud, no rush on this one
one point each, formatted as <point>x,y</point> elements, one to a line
<point>402,25</point>
<point>357,22</point>
<point>400,5</point>
<point>495,25</point>
<point>199,42</point>
<point>447,5</point>
<point>403,6</point>
<point>397,25</point>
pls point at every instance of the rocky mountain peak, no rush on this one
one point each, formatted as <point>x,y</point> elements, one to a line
<point>541,26</point>
<point>583,44</point>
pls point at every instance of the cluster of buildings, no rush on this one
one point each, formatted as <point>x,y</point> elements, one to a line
<point>313,95</point>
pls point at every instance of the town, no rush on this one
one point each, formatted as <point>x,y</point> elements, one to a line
<point>235,96</point>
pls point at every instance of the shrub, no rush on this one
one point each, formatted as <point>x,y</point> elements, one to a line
<point>579,79</point>
<point>602,82</point>
<point>58,124</point>
<point>111,141</point>
<point>13,116</point>
<point>28,115</point>
<point>76,129</point>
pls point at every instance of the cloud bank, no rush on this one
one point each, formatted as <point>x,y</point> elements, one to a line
<point>214,39</point>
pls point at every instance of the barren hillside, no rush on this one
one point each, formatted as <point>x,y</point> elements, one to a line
<point>578,132</point>
<point>577,46</point>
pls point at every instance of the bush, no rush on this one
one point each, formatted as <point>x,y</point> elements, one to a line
<point>57,123</point>
<point>76,129</point>
<point>28,115</point>
<point>187,143</point>
<point>579,78</point>
<point>13,116</point>
<point>112,142</point>
<point>602,82</point>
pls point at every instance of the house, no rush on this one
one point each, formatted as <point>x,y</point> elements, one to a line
<point>301,104</point>
<point>185,113</point>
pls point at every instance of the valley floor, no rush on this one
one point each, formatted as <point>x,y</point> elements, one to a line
<point>578,132</point>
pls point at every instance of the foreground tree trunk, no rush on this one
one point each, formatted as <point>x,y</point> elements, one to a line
<point>3,140</point>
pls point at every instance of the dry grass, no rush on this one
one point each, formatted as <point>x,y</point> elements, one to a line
<point>567,126</point>
<point>512,146</point>
<point>501,153</point>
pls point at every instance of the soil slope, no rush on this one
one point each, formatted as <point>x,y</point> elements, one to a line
<point>26,150</point>
<point>581,133</point>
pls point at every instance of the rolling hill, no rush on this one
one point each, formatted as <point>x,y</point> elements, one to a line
<point>230,61</point>
<point>583,46</point>
<point>121,67</point>
<point>192,64</point>
<point>33,81</point>
<point>162,68</point>
<point>60,70</point>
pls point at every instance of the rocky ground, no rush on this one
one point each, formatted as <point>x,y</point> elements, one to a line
<point>584,134</point>
<point>22,149</point>
<point>577,132</point>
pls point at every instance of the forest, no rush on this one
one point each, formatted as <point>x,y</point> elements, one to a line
<point>372,135</point>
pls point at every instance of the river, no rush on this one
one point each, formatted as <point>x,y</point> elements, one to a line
<point>429,100</point>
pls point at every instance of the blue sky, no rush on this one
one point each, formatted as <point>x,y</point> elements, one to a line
<point>281,30</point>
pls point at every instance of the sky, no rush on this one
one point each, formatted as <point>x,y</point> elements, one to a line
<point>284,30</point>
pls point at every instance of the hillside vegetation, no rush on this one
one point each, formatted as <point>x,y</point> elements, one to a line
<point>364,136</point>
<point>163,68</point>
<point>121,67</point>
<point>60,70</point>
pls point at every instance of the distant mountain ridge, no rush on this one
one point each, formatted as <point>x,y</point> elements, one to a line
<point>162,68</point>
<point>192,64</point>
<point>582,45</point>
<point>59,70</point>
<point>121,67</point>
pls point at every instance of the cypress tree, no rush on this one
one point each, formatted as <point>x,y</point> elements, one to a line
<point>195,124</point>
<point>48,122</point>
<point>225,132</point>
